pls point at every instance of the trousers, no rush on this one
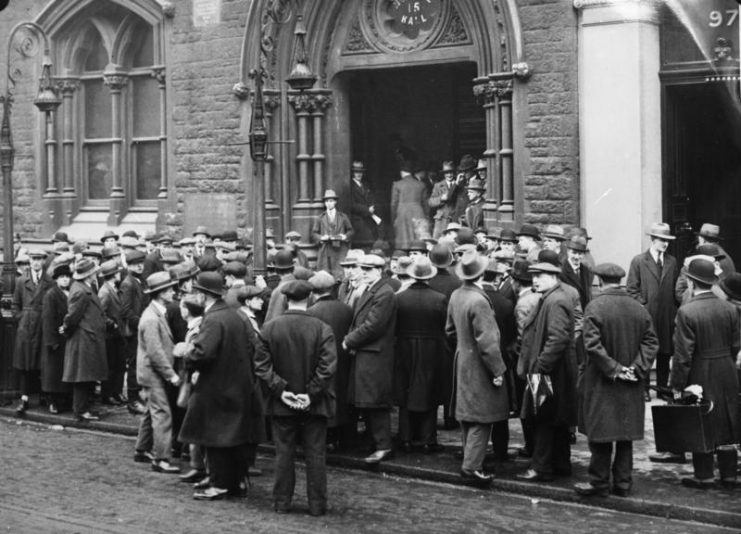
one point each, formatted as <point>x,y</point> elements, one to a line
<point>601,461</point>
<point>418,426</point>
<point>551,449</point>
<point>702,462</point>
<point>155,428</point>
<point>378,421</point>
<point>475,438</point>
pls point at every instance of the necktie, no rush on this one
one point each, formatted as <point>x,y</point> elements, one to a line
<point>660,262</point>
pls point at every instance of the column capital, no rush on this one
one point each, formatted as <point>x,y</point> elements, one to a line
<point>310,102</point>
<point>115,80</point>
<point>67,86</point>
<point>159,73</point>
<point>490,90</point>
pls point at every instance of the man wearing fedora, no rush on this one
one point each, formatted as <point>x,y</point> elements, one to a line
<point>620,345</point>
<point>155,372</point>
<point>408,207</point>
<point>333,231</point>
<point>371,344</point>
<point>480,397</point>
<point>362,209</point>
<point>473,217</point>
<point>110,301</point>
<point>652,277</point>
<point>443,199</point>
<point>27,303</point>
<point>710,234</point>
<point>53,310</point>
<point>109,239</point>
<point>547,354</point>
<point>527,241</point>
<point>706,343</point>
<point>85,353</point>
<point>352,285</point>
<point>553,237</point>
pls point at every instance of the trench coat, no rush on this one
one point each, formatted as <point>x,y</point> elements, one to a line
<point>27,306</point>
<point>408,207</point>
<point>298,354</point>
<point>371,345</point>
<point>54,309</point>
<point>655,290</point>
<point>338,316</point>
<point>706,342</point>
<point>617,333</point>
<point>548,348</point>
<point>421,348</point>
<point>472,329</point>
<point>361,219</point>
<point>84,325</point>
<point>332,252</point>
<point>225,407</point>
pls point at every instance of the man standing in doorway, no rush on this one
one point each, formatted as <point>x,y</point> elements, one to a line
<point>362,209</point>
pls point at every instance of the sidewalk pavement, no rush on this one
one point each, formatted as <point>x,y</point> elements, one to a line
<point>657,490</point>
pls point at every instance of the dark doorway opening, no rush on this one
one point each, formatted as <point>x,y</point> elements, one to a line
<point>429,112</point>
<point>702,163</point>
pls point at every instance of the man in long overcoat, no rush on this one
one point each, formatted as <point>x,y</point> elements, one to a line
<point>620,345</point>
<point>480,397</point>
<point>133,302</point>
<point>548,353</point>
<point>362,210</point>
<point>408,209</point>
<point>332,231</point>
<point>444,198</point>
<point>27,306</point>
<point>420,354</point>
<point>706,343</point>
<point>110,300</point>
<point>371,344</point>
<point>225,412</point>
<point>84,325</point>
<point>53,310</point>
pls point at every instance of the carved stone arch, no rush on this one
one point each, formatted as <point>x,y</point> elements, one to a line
<point>59,13</point>
<point>129,32</point>
<point>73,48</point>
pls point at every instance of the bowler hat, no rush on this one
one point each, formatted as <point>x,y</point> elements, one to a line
<point>471,265</point>
<point>210,282</point>
<point>358,166</point>
<point>441,256</point>
<point>60,237</point>
<point>661,231</point>
<point>520,271</point>
<point>328,194</point>
<point>476,185</point>
<point>283,260</point>
<point>577,243</point>
<point>549,256</point>
<point>422,268</point>
<point>85,268</point>
<point>710,231</point>
<point>322,281</point>
<point>609,271</point>
<point>731,286</point>
<point>130,233</point>
<point>529,230</point>
<point>108,234</point>
<point>61,270</point>
<point>467,163</point>
<point>235,268</point>
<point>159,281</point>
<point>245,293</point>
<point>554,231</point>
<point>135,256</point>
<point>372,260</point>
<point>297,290</point>
<point>352,257</point>
<point>229,236</point>
<point>417,246</point>
<point>702,271</point>
<point>508,235</point>
<point>109,268</point>
<point>448,166</point>
<point>710,249</point>
<point>407,166</point>
<point>184,271</point>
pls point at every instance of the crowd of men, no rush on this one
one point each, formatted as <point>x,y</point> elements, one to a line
<point>490,324</point>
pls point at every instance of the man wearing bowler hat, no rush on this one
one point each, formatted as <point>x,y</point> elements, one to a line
<point>652,277</point>
<point>333,231</point>
<point>706,342</point>
<point>574,272</point>
<point>620,345</point>
<point>710,234</point>
<point>362,209</point>
<point>284,267</point>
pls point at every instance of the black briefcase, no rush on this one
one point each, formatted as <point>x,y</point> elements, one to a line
<point>683,428</point>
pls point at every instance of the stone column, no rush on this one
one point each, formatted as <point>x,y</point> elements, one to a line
<point>116,81</point>
<point>503,90</point>
<point>619,124</point>
<point>160,75</point>
<point>304,106</point>
<point>321,102</point>
<point>68,87</point>
<point>486,94</point>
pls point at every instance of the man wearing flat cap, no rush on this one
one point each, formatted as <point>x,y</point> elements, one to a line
<point>332,231</point>
<point>297,364</point>
<point>652,277</point>
<point>620,345</point>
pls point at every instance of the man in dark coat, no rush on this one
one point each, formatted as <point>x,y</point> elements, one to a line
<point>651,280</point>
<point>706,342</point>
<point>444,197</point>
<point>548,355</point>
<point>338,316</point>
<point>297,363</point>
<point>110,300</point>
<point>420,353</point>
<point>53,310</point>
<point>154,262</point>
<point>371,343</point>
<point>574,272</point>
<point>225,413</point>
<point>332,231</point>
<point>474,215</point>
<point>27,306</point>
<point>133,302</point>
<point>84,325</point>
<point>620,345</point>
<point>362,210</point>
<point>710,234</point>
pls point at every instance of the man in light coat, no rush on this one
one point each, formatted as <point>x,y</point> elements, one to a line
<point>332,231</point>
<point>408,208</point>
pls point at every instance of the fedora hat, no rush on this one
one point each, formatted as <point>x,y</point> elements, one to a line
<point>702,270</point>
<point>577,243</point>
<point>661,231</point>
<point>441,256</point>
<point>422,268</point>
<point>159,281</point>
<point>731,286</point>
<point>283,260</point>
<point>84,269</point>
<point>576,230</point>
<point>471,265</point>
<point>529,230</point>
<point>508,235</point>
<point>467,163</point>
<point>448,166</point>
<point>710,249</point>
<point>61,269</point>
<point>109,268</point>
<point>402,265</point>
<point>210,282</point>
<point>357,166</point>
<point>476,185</point>
<point>109,234</point>
<point>352,257</point>
<point>554,231</point>
<point>184,271</point>
<point>481,165</point>
<point>710,231</point>
<point>328,194</point>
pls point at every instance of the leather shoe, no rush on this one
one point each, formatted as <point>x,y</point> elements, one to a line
<point>668,458</point>
<point>143,457</point>
<point>531,475</point>
<point>477,478</point>
<point>203,483</point>
<point>432,448</point>
<point>585,489</point>
<point>620,492</point>
<point>86,417</point>
<point>163,466</point>
<point>210,494</point>
<point>692,482</point>
<point>22,407</point>
<point>378,456</point>
<point>192,476</point>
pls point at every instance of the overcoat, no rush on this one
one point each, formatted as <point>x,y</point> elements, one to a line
<point>338,316</point>
<point>654,289</point>
<point>474,215</point>
<point>617,333</point>
<point>706,342</point>
<point>331,253</point>
<point>54,309</point>
<point>445,282</point>
<point>298,354</point>
<point>582,283</point>
<point>446,211</point>
<point>471,327</point>
<point>27,306</point>
<point>371,344</point>
<point>408,207</point>
<point>548,348</point>
<point>133,302</point>
<point>504,314</point>
<point>84,325</point>
<point>152,264</point>
<point>110,301</point>
<point>278,303</point>
<point>154,358</point>
<point>421,348</point>
<point>225,406</point>
<point>361,219</point>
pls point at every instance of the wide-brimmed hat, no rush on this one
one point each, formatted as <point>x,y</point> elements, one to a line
<point>328,194</point>
<point>62,269</point>
<point>508,235</point>
<point>577,243</point>
<point>702,270</point>
<point>402,264</point>
<point>159,281</point>
<point>481,166</point>
<point>467,163</point>
<point>731,286</point>
<point>422,268</point>
<point>283,260</point>
<point>84,269</point>
<point>554,231</point>
<point>448,166</point>
<point>184,271</point>
<point>609,272</point>
<point>471,265</point>
<point>322,281</point>
<point>544,267</point>
<point>372,260</point>
<point>661,231</point>
<point>108,234</point>
<point>710,231</point>
<point>520,271</point>
<point>529,230</point>
<point>476,185</point>
<point>61,237</point>
<point>441,256</point>
<point>357,166</point>
<point>210,282</point>
<point>109,268</point>
<point>352,257</point>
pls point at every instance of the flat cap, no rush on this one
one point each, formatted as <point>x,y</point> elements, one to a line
<point>322,281</point>
<point>135,256</point>
<point>609,271</point>
<point>297,290</point>
<point>372,260</point>
<point>245,293</point>
<point>235,268</point>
